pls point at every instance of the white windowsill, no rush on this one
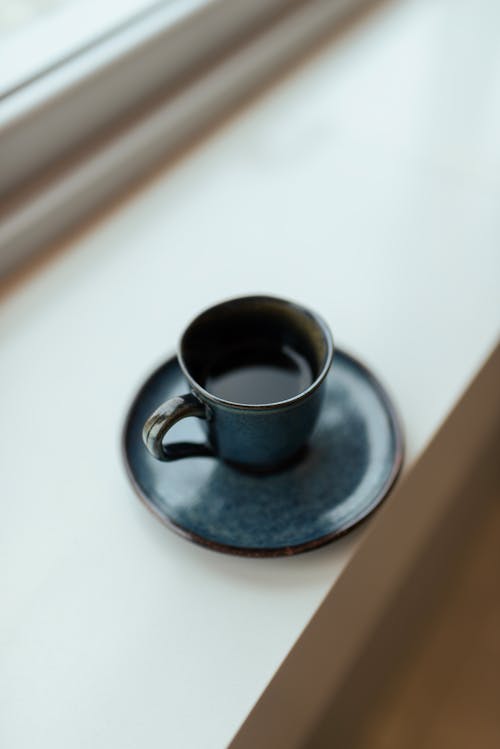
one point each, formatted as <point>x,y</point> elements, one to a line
<point>351,187</point>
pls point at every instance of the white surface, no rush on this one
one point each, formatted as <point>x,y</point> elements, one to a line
<point>366,185</point>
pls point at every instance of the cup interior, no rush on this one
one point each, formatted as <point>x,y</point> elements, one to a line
<point>265,322</point>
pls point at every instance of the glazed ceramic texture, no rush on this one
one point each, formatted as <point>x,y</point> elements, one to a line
<point>264,438</point>
<point>351,462</point>
<point>260,436</point>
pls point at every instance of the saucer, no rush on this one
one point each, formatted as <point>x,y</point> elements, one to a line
<point>347,470</point>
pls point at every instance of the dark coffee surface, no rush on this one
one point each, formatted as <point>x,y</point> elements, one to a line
<point>256,374</point>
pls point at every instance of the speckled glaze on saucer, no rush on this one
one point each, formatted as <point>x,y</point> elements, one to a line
<point>348,468</point>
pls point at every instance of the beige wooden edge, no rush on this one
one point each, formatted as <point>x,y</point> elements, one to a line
<point>316,678</point>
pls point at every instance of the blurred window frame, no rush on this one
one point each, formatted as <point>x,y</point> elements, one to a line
<point>92,124</point>
<point>89,91</point>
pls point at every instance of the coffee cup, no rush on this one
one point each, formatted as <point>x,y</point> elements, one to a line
<point>256,368</point>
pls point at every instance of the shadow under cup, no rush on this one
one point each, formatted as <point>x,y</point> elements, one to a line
<point>258,365</point>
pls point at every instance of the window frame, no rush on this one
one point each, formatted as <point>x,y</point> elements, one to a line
<point>78,136</point>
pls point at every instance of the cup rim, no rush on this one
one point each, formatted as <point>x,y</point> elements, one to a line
<point>234,405</point>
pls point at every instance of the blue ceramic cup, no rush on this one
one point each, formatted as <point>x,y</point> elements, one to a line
<point>256,369</point>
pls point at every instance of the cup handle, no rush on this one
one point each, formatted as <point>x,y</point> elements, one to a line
<point>165,416</point>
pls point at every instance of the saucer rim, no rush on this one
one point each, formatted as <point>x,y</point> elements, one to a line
<point>274,551</point>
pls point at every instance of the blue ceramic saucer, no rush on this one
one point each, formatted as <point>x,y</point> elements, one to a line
<point>350,465</point>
